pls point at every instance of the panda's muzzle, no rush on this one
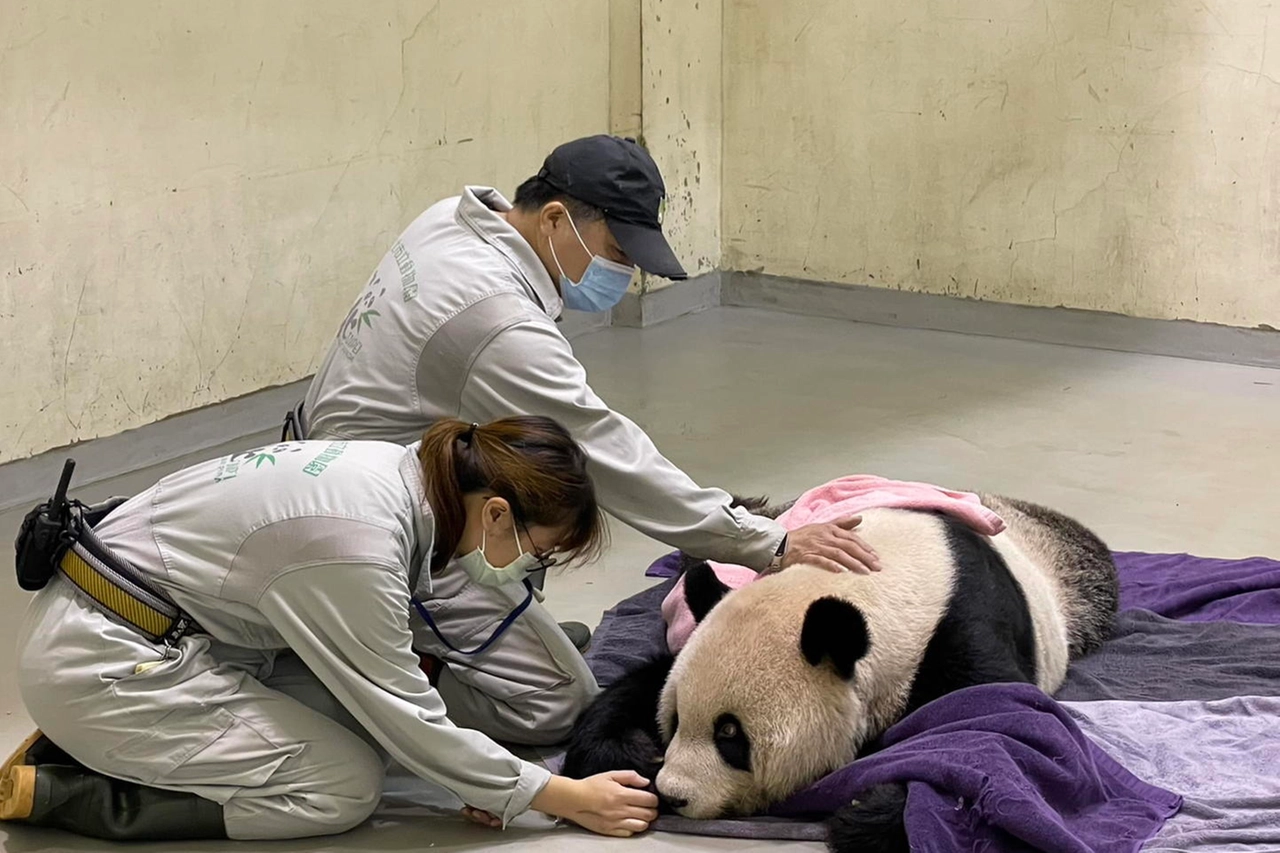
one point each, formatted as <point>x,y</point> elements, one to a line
<point>670,805</point>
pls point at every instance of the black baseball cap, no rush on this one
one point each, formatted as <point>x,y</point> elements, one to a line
<point>619,177</point>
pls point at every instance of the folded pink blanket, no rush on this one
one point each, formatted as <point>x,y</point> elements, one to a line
<point>839,499</point>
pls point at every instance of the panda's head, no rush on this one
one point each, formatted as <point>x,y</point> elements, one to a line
<point>763,700</point>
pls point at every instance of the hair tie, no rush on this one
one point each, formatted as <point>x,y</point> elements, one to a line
<point>470,434</point>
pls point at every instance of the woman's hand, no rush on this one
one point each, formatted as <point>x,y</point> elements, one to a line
<point>613,803</point>
<point>832,546</point>
<point>481,817</point>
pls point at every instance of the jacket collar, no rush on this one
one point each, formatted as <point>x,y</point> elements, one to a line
<point>478,210</point>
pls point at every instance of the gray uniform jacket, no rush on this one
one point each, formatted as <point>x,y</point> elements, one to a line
<point>317,547</point>
<point>458,321</point>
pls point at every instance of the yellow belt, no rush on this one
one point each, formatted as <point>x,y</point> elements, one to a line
<point>122,591</point>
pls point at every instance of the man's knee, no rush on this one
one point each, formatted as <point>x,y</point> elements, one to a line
<point>555,711</point>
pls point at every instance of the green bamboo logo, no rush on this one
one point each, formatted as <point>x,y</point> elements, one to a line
<point>360,317</point>
<point>229,467</point>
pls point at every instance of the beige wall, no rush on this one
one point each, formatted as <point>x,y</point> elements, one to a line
<point>1101,154</point>
<point>682,123</point>
<point>191,194</point>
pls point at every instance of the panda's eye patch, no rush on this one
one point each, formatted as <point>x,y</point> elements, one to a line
<point>732,742</point>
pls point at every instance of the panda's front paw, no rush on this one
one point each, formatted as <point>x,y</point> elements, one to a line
<point>873,824</point>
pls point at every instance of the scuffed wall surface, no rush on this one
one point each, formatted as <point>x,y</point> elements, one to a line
<point>1099,154</point>
<point>682,122</point>
<point>626,81</point>
<point>191,194</point>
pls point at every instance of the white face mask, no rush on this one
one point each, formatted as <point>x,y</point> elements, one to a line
<point>480,570</point>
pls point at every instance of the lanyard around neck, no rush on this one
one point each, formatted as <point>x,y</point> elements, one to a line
<point>497,632</point>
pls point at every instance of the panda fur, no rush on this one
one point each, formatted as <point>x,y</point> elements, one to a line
<point>800,672</point>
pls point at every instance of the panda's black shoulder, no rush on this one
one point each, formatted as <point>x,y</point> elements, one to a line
<point>619,729</point>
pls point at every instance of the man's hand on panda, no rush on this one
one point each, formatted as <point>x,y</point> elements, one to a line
<point>832,546</point>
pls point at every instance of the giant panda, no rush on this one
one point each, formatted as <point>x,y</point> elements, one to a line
<point>796,674</point>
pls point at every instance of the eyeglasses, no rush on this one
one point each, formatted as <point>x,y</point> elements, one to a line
<point>545,561</point>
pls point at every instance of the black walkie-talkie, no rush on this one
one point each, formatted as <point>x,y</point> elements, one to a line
<point>44,536</point>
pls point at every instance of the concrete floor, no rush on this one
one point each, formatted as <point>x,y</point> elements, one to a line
<point>1155,454</point>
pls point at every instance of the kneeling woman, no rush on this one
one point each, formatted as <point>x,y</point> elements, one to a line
<point>300,564</point>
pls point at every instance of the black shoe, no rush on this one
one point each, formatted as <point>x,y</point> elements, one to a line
<point>76,799</point>
<point>38,749</point>
<point>578,634</point>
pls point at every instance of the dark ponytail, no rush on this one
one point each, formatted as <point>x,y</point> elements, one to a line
<point>532,462</point>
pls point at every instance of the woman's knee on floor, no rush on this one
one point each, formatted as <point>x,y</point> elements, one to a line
<point>329,787</point>
<point>351,798</point>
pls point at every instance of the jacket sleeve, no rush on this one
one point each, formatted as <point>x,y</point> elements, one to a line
<point>349,623</point>
<point>529,368</point>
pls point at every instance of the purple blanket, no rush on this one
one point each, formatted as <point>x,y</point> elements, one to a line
<point>1000,767</point>
<point>1195,589</point>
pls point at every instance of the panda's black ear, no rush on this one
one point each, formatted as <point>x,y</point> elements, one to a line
<point>702,590</point>
<point>751,505</point>
<point>836,632</point>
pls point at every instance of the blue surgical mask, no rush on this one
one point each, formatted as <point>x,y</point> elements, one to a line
<point>603,283</point>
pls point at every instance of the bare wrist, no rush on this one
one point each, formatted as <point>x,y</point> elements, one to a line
<point>776,562</point>
<point>554,798</point>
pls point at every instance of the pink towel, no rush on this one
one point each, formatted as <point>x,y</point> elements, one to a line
<point>838,499</point>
